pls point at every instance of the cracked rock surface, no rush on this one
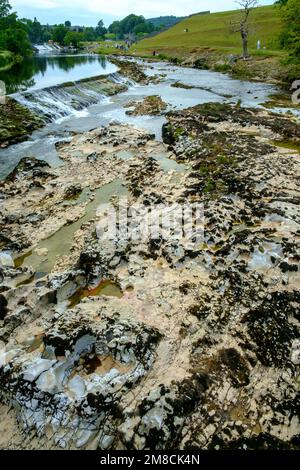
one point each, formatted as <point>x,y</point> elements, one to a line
<point>200,349</point>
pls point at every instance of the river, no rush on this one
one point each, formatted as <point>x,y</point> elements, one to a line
<point>43,71</point>
<point>37,84</point>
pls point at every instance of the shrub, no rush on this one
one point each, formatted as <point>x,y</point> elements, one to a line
<point>222,67</point>
<point>201,63</point>
<point>162,57</point>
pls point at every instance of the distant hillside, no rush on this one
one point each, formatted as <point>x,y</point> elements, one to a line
<point>215,31</point>
<point>165,20</point>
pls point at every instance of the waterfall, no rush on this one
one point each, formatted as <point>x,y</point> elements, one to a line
<point>46,48</point>
<point>121,80</point>
<point>56,102</point>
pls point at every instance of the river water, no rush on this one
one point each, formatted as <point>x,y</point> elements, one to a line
<point>82,107</point>
<point>43,71</point>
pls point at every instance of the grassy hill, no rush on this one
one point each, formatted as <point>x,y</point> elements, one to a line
<point>214,31</point>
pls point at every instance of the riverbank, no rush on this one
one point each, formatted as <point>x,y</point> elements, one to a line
<point>209,41</point>
<point>260,67</point>
<point>197,344</point>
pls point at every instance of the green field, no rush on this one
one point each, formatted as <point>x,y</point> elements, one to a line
<point>214,31</point>
<point>102,47</point>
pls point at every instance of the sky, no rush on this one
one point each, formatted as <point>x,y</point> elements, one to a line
<point>89,12</point>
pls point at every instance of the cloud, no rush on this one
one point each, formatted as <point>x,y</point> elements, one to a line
<point>38,4</point>
<point>120,8</point>
<point>89,11</point>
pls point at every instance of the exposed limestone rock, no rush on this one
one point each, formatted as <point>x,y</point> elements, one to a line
<point>130,69</point>
<point>151,105</point>
<point>73,190</point>
<point>29,167</point>
<point>76,385</point>
<point>202,349</point>
<point>35,197</point>
<point>182,85</point>
<point>6,260</point>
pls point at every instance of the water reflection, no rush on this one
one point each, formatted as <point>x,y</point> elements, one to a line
<point>41,70</point>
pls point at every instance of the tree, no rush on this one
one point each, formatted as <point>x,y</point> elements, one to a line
<point>110,36</point>
<point>15,40</point>
<point>290,36</point>
<point>73,39</point>
<point>14,35</point>
<point>47,36</point>
<point>130,22</point>
<point>115,28</point>
<point>4,8</point>
<point>68,24</point>
<point>144,28</point>
<point>130,26</point>
<point>242,24</point>
<point>89,34</point>
<point>37,32</point>
<point>100,29</point>
<point>59,33</point>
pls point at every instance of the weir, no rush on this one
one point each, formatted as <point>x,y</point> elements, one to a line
<point>64,100</point>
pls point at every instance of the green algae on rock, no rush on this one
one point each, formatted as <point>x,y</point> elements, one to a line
<point>150,106</point>
<point>130,70</point>
<point>17,123</point>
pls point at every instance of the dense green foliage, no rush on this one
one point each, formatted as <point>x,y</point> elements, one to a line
<point>59,33</point>
<point>6,59</point>
<point>37,33</point>
<point>4,8</point>
<point>18,35</point>
<point>163,21</point>
<point>15,39</point>
<point>132,24</point>
<point>100,30</point>
<point>290,36</point>
<point>65,36</point>
<point>13,34</point>
<point>73,38</point>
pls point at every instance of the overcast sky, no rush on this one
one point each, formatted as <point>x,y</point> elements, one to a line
<point>89,12</point>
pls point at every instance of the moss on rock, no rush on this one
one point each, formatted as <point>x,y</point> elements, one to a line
<point>16,123</point>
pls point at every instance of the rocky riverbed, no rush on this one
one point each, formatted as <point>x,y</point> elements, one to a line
<point>195,345</point>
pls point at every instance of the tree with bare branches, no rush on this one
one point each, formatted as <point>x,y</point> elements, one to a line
<point>242,24</point>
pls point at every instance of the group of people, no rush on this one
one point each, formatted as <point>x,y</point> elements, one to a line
<point>122,47</point>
